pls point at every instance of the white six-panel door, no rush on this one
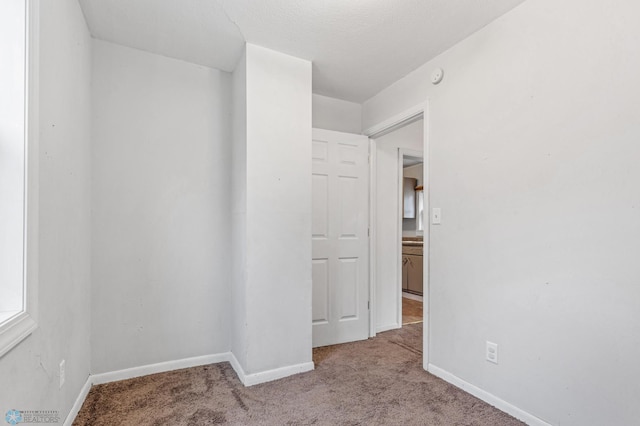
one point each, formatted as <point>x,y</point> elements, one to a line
<point>340,185</point>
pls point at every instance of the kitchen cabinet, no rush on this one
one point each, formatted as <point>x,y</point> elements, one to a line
<point>405,274</point>
<point>412,269</point>
<point>414,274</point>
<point>409,198</point>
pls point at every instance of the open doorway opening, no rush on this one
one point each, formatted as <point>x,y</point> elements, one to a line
<point>403,139</point>
<point>412,237</point>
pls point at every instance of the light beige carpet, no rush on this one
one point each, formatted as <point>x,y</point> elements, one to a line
<point>374,382</point>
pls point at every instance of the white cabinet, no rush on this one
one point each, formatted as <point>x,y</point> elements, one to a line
<point>412,268</point>
<point>412,273</point>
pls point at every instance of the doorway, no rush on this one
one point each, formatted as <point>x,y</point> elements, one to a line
<point>388,144</point>
<point>388,206</point>
<point>391,141</point>
<point>411,207</point>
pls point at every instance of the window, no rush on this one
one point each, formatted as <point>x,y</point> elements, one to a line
<point>18,106</point>
<point>420,212</point>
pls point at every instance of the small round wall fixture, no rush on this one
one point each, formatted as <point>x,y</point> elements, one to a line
<point>437,75</point>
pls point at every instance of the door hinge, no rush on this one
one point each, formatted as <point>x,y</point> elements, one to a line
<point>368,305</point>
<point>368,232</point>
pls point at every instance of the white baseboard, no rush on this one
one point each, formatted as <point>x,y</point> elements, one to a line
<point>277,373</point>
<point>161,367</point>
<point>78,404</point>
<point>412,296</point>
<point>235,364</point>
<point>269,375</point>
<point>487,397</point>
<point>383,328</point>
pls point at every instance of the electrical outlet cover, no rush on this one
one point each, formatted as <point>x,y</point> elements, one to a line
<point>492,352</point>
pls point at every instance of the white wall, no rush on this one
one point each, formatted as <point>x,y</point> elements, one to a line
<point>534,161</point>
<point>278,208</point>
<point>161,194</point>
<point>336,114</point>
<point>387,213</point>
<point>29,372</point>
<point>416,171</point>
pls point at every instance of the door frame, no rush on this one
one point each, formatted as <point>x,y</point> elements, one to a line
<point>373,199</point>
<point>386,126</point>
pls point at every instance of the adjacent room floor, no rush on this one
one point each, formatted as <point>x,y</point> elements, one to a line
<point>378,381</point>
<point>411,310</point>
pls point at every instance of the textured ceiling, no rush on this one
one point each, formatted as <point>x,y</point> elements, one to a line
<point>358,47</point>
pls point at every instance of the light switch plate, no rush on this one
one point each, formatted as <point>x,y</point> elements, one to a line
<point>436,216</point>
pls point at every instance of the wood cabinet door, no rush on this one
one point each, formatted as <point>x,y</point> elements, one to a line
<point>405,272</point>
<point>414,273</point>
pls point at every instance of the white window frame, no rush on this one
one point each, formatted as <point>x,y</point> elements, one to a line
<point>20,326</point>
